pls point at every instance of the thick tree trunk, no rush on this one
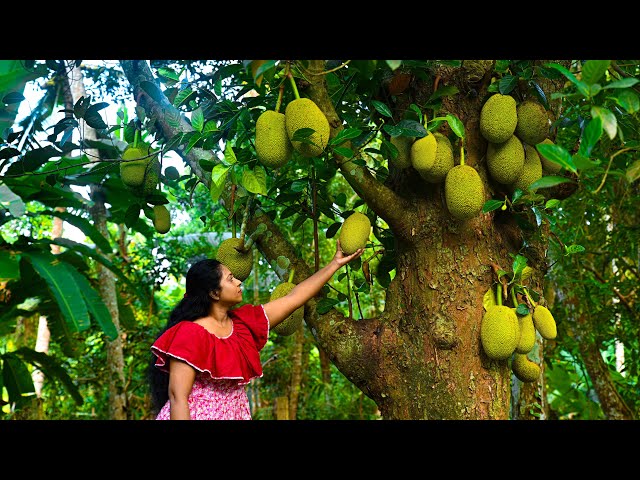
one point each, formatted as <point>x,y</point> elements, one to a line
<point>296,373</point>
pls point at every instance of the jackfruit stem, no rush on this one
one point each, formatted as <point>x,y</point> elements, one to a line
<point>499,294</point>
<point>514,298</point>
<point>293,85</point>
<point>293,270</point>
<point>136,137</point>
<point>462,152</point>
<point>526,292</point>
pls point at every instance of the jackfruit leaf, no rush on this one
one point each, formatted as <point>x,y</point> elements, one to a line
<point>501,273</point>
<point>62,287</point>
<point>446,91</point>
<point>171,173</point>
<point>298,222</point>
<point>571,249</point>
<point>333,229</point>
<point>12,97</point>
<point>590,136</point>
<point>583,163</point>
<point>341,199</point>
<point>382,108</point>
<point>132,214</point>
<point>456,125</point>
<point>609,121</point>
<point>193,140</point>
<point>255,181</point>
<point>632,173</point>
<point>417,113</point>
<point>81,105</point>
<point>9,266</point>
<point>557,154</point>
<point>553,203</point>
<point>394,64</point>
<point>489,299</point>
<point>549,181</point>
<point>627,99</point>
<point>173,119</point>
<point>593,70</point>
<point>218,177</point>
<point>519,262</point>
<point>197,119</point>
<point>11,201</point>
<point>522,310</point>
<point>8,153</point>
<point>16,378</point>
<point>229,155</point>
<point>302,135</point>
<point>408,128</point>
<point>93,118</point>
<point>208,165</point>
<point>624,83</point>
<point>325,304</point>
<point>541,95</point>
<point>526,272</point>
<point>85,226</point>
<point>582,87</point>
<point>156,199</point>
<point>344,135</point>
<point>344,152</point>
<point>507,84</point>
<point>517,194</point>
<point>594,89</point>
<point>209,128</point>
<point>152,90</point>
<point>491,205</point>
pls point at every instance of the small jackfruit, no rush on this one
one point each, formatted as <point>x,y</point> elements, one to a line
<point>464,192</point>
<point>525,369</point>
<point>544,322</point>
<point>505,161</point>
<point>527,334</point>
<point>533,122</point>
<point>443,162</point>
<point>403,144</point>
<point>132,169</point>
<point>273,147</point>
<point>240,263</point>
<point>354,232</point>
<point>476,69</point>
<point>549,165</point>
<point>292,323</point>
<point>423,153</point>
<point>161,219</point>
<point>304,113</point>
<point>498,118</point>
<point>499,332</point>
<point>531,171</point>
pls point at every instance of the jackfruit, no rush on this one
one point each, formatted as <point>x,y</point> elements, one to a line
<point>525,369</point>
<point>290,324</point>
<point>132,171</point>
<point>403,144</point>
<point>549,165</point>
<point>527,333</point>
<point>464,192</point>
<point>354,232</point>
<point>533,122</point>
<point>273,147</point>
<point>443,161</point>
<point>162,219</point>
<point>505,161</point>
<point>476,69</point>
<point>240,263</point>
<point>544,322</point>
<point>498,118</point>
<point>304,113</point>
<point>531,171</point>
<point>423,153</point>
<point>499,332</point>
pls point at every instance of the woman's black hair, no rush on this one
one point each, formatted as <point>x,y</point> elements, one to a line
<point>202,278</point>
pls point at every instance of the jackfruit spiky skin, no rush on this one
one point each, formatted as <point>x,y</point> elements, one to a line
<point>527,334</point>
<point>354,232</point>
<point>273,147</point>
<point>403,144</point>
<point>476,69</point>
<point>498,118</point>
<point>533,122</point>
<point>132,171</point>
<point>499,332</point>
<point>505,161</point>
<point>304,113</point>
<point>443,161</point>
<point>548,165</point>
<point>464,192</point>
<point>525,369</point>
<point>544,322</point>
<point>162,219</point>
<point>531,171</point>
<point>239,263</point>
<point>292,323</point>
<point>423,153</point>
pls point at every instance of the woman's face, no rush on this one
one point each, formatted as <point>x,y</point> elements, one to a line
<point>230,287</point>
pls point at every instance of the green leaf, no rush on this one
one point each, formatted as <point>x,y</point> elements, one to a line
<point>507,84</point>
<point>446,91</point>
<point>297,223</point>
<point>87,228</point>
<point>255,181</point>
<point>518,265</point>
<point>491,205</point>
<point>11,201</point>
<point>197,119</point>
<point>609,121</point>
<point>193,140</point>
<point>218,177</point>
<point>456,125</point>
<point>408,128</point>
<point>132,214</point>
<point>17,378</point>
<point>553,203</point>
<point>522,310</point>
<point>627,99</point>
<point>9,265</point>
<point>344,152</point>
<point>633,172</point>
<point>173,119</point>
<point>583,88</point>
<point>93,118</point>
<point>152,90</point>
<point>593,70</point>
<point>549,181</point>
<point>302,135</point>
<point>95,305</point>
<point>344,135</point>
<point>12,97</point>
<point>583,163</point>
<point>624,83</point>
<point>333,229</point>
<point>382,108</point>
<point>590,136</point>
<point>325,304</point>
<point>571,249</point>
<point>63,288</point>
<point>8,152</point>
<point>229,154</point>
<point>557,154</point>
<point>394,64</point>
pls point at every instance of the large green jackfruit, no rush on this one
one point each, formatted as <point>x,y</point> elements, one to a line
<point>531,171</point>
<point>527,334</point>
<point>544,322</point>
<point>423,153</point>
<point>134,164</point>
<point>292,323</point>
<point>304,113</point>
<point>464,192</point>
<point>533,122</point>
<point>354,232</point>
<point>525,369</point>
<point>498,118</point>
<point>443,161</point>
<point>161,219</point>
<point>240,263</point>
<point>403,144</point>
<point>505,161</point>
<point>549,165</point>
<point>499,332</point>
<point>273,147</point>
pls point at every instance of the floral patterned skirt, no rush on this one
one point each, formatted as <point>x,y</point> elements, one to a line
<point>214,400</point>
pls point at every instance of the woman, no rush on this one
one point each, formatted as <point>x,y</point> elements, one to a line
<point>209,351</point>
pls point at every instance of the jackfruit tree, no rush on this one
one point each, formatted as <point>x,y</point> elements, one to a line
<point>451,173</point>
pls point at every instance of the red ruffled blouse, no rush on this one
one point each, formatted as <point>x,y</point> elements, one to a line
<point>236,356</point>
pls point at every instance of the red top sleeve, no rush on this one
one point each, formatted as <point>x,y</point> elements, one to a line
<point>236,356</point>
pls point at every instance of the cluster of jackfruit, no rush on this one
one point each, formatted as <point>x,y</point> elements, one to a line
<point>512,131</point>
<point>504,333</point>
<point>140,169</point>
<point>354,232</point>
<point>275,131</point>
<point>293,322</point>
<point>239,262</point>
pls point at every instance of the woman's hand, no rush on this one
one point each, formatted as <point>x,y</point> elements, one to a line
<point>341,259</point>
